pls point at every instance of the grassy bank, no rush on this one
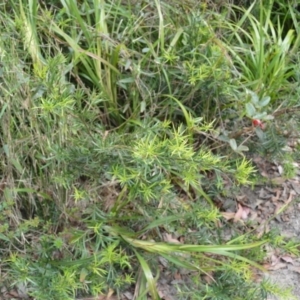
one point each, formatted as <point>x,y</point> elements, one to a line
<point>121,122</point>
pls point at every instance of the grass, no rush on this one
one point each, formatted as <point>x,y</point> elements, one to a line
<point>115,124</point>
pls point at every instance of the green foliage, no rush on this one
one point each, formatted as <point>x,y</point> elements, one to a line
<point>272,143</point>
<point>225,288</point>
<point>54,278</point>
<point>133,65</point>
<point>262,51</point>
<point>109,116</point>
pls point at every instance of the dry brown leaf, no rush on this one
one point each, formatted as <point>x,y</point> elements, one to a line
<point>169,238</point>
<point>161,293</point>
<point>277,266</point>
<point>219,224</point>
<point>246,211</point>
<point>239,213</point>
<point>241,198</point>
<point>177,276</point>
<point>277,196</point>
<point>261,229</point>
<point>258,203</point>
<point>208,278</point>
<point>13,294</point>
<point>229,215</point>
<point>274,259</point>
<point>266,266</point>
<point>296,187</point>
<point>287,259</point>
<point>285,218</point>
<point>253,215</point>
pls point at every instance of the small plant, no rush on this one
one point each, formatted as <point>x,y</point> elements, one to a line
<point>289,169</point>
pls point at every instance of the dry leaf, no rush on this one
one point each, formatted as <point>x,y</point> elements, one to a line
<point>230,215</point>
<point>266,266</point>
<point>280,169</point>
<point>287,259</point>
<point>169,239</point>
<point>277,196</point>
<point>277,267</point>
<point>296,187</point>
<point>261,229</point>
<point>253,215</point>
<point>106,132</point>
<point>208,279</point>
<point>177,276</point>
<point>246,211</point>
<point>239,213</point>
<point>274,259</point>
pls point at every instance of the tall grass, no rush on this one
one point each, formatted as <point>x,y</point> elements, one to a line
<point>108,137</point>
<point>263,50</point>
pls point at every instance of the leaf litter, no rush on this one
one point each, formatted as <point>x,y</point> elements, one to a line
<point>273,205</point>
<point>270,204</point>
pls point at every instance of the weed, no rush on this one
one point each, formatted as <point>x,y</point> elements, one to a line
<point>109,118</point>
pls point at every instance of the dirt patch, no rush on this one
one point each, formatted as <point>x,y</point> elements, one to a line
<point>278,202</point>
<point>288,273</point>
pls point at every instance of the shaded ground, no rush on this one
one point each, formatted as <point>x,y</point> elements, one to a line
<point>287,274</point>
<point>283,195</point>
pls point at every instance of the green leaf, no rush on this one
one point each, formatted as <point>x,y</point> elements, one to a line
<point>250,110</point>
<point>17,165</point>
<point>180,262</point>
<point>149,277</point>
<point>260,134</point>
<point>4,237</point>
<point>159,222</point>
<point>268,117</point>
<point>242,148</point>
<point>143,106</point>
<point>264,101</point>
<point>254,98</point>
<point>3,109</point>
<point>223,138</point>
<point>233,145</point>
<point>126,80</point>
<point>260,116</point>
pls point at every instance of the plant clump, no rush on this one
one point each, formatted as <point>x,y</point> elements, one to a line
<point>122,122</point>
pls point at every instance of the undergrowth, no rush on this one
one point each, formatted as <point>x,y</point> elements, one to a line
<point>120,123</point>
